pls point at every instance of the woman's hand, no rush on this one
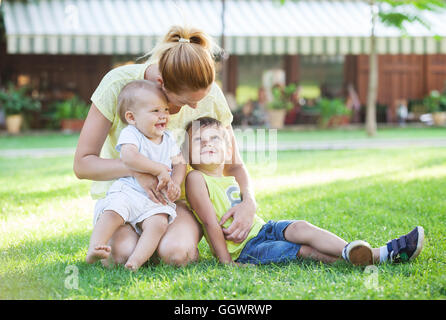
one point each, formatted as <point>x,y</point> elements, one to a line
<point>173,191</point>
<point>163,178</point>
<point>149,184</point>
<point>243,214</point>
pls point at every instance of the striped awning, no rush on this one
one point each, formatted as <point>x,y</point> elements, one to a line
<point>132,27</point>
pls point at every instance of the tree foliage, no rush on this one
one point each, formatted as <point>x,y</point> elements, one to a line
<point>399,13</point>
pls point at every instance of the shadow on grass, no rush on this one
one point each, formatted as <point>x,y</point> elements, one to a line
<point>41,269</point>
<point>433,162</point>
<point>371,208</point>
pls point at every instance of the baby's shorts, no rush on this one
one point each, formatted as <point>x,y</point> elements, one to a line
<point>133,206</point>
<point>270,246</point>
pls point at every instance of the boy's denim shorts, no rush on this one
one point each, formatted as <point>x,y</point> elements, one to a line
<point>270,246</point>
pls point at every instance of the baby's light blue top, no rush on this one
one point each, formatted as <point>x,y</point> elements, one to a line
<point>161,153</point>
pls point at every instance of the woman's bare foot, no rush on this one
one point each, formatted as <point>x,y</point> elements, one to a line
<point>98,253</point>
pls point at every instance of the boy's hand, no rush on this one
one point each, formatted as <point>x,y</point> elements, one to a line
<point>173,191</point>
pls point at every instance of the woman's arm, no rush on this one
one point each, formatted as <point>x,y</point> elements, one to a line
<point>244,212</point>
<point>87,163</point>
<point>178,169</point>
<point>196,192</point>
<point>177,178</point>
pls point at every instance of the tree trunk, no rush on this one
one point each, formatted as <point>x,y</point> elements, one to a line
<point>372,92</point>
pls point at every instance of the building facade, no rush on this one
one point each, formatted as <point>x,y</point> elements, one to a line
<point>61,48</point>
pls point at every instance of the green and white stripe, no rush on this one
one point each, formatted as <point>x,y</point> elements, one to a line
<point>120,27</point>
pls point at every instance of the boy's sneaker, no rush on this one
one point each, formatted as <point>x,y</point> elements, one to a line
<point>358,253</point>
<point>407,247</point>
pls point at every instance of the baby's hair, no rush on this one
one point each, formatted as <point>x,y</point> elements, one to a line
<point>128,96</point>
<point>185,58</point>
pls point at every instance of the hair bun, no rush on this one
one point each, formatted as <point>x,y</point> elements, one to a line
<point>185,66</point>
<point>177,33</point>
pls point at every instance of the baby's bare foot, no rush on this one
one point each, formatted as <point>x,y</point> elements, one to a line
<point>98,253</point>
<point>133,265</point>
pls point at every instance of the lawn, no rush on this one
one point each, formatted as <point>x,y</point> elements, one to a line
<point>57,140</point>
<point>375,195</point>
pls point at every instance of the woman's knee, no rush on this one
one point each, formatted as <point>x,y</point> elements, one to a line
<point>179,254</point>
<point>123,242</point>
<point>179,244</point>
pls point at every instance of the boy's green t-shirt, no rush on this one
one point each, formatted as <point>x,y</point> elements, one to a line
<point>224,193</point>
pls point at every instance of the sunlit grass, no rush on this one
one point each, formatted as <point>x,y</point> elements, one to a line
<point>58,140</point>
<point>375,195</point>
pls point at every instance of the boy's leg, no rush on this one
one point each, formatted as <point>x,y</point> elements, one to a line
<point>153,228</point>
<point>103,230</point>
<point>327,243</point>
<point>303,232</point>
<point>307,252</point>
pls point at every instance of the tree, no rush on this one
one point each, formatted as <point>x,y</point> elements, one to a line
<point>393,13</point>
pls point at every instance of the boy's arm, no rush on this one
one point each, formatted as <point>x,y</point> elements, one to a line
<point>202,205</point>
<point>178,169</point>
<point>173,188</point>
<point>135,161</point>
<point>244,212</point>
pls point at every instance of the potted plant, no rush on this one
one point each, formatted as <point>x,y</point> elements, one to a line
<point>436,104</point>
<point>71,114</point>
<point>15,102</point>
<point>280,104</point>
<point>333,112</point>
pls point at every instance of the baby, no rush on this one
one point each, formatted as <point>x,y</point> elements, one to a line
<point>211,194</point>
<point>145,146</point>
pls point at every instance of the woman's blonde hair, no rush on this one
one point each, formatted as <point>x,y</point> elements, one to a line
<point>185,58</point>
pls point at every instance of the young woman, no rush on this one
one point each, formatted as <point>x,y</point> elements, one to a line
<point>182,66</point>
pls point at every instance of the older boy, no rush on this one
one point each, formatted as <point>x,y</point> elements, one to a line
<point>211,195</point>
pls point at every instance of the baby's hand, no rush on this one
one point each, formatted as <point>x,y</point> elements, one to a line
<point>173,191</point>
<point>163,179</point>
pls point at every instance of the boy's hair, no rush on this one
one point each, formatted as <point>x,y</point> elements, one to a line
<point>204,122</point>
<point>128,95</point>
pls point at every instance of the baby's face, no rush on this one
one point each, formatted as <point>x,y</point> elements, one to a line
<point>208,146</point>
<point>151,114</point>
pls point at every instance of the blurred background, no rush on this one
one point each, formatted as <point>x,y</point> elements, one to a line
<point>285,64</point>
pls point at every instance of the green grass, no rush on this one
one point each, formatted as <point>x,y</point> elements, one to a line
<point>58,140</point>
<point>375,195</point>
<point>345,134</point>
<point>39,140</point>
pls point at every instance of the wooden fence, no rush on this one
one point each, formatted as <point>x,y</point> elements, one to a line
<point>407,77</point>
